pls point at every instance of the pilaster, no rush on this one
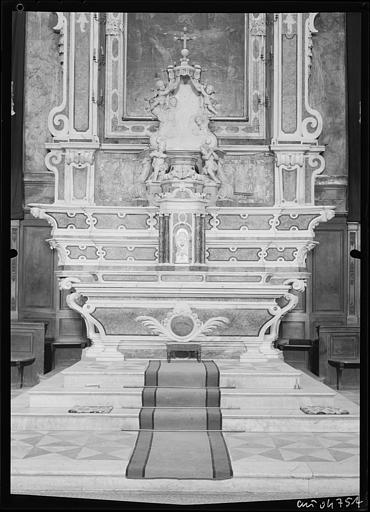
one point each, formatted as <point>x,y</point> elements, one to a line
<point>296,124</point>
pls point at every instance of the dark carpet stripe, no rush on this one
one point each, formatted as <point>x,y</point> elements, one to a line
<point>220,456</point>
<point>151,373</point>
<point>212,456</point>
<point>139,457</point>
<point>146,418</point>
<point>214,419</point>
<point>206,379</point>
<point>213,397</point>
<point>212,374</point>
<point>148,397</point>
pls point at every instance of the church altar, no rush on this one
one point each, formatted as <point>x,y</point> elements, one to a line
<point>183,262</point>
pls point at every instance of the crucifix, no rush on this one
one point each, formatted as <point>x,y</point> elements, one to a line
<point>184,38</point>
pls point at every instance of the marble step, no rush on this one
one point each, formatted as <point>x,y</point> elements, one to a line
<point>96,485</point>
<point>252,420</point>
<point>240,398</point>
<point>87,379</point>
<point>84,374</point>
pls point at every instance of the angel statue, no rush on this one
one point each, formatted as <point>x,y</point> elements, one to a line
<point>211,159</point>
<point>159,163</point>
<point>138,190</point>
<point>161,97</point>
<point>207,91</point>
<point>209,98</point>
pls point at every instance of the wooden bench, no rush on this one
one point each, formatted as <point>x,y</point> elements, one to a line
<point>20,361</point>
<point>65,344</point>
<point>305,345</point>
<point>341,364</point>
<point>192,349</point>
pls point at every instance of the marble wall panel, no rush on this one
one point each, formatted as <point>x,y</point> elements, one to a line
<point>235,221</point>
<point>302,221</point>
<point>116,179</point>
<point>43,86</point>
<point>327,88</point>
<point>64,220</point>
<point>134,254</point>
<point>128,221</point>
<point>240,254</point>
<point>246,322</point>
<point>273,254</point>
<point>76,252</point>
<point>252,177</point>
<point>123,320</point>
<point>289,83</point>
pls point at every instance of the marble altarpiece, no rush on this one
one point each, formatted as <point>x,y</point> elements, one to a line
<point>196,232</point>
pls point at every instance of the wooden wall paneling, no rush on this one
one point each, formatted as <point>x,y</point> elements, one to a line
<point>329,274</point>
<point>14,270</point>
<point>28,338</point>
<point>339,342</point>
<point>36,279</point>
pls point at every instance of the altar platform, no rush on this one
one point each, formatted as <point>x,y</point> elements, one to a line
<point>274,447</point>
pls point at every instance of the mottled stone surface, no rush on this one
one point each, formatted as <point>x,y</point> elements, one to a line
<point>128,220</point>
<point>63,220</point>
<point>252,177</point>
<point>247,322</point>
<point>123,320</point>
<point>239,254</point>
<point>82,71</point>
<point>43,86</point>
<point>289,83</point>
<point>116,176</point>
<point>328,89</point>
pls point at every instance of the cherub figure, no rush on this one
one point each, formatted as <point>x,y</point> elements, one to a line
<point>161,97</point>
<point>159,163</point>
<point>209,98</point>
<point>210,161</point>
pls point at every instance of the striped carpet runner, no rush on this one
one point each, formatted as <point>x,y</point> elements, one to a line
<point>180,424</point>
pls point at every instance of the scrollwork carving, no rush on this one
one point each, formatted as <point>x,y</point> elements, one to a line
<point>39,213</point>
<point>183,313</point>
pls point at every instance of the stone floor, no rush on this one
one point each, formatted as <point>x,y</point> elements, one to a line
<point>244,448</point>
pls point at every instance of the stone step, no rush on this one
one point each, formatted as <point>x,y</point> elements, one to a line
<point>241,398</point>
<point>252,420</point>
<point>130,373</point>
<point>86,379</point>
<point>96,486</point>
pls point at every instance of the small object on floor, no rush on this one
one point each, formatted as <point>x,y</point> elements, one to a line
<point>319,409</point>
<point>91,409</point>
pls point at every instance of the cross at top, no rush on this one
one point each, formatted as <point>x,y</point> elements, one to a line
<point>185,38</point>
